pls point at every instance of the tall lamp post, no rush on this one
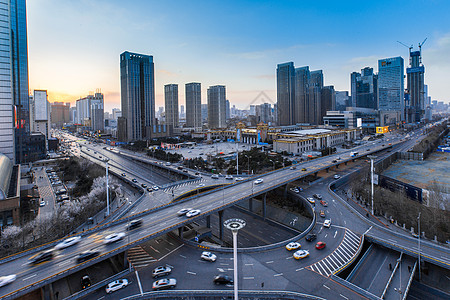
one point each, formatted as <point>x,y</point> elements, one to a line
<point>371,157</point>
<point>234,225</point>
<point>107,188</point>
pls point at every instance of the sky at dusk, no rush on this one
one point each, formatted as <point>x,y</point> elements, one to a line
<point>74,45</point>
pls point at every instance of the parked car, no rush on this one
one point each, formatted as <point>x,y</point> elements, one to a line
<point>293,246</point>
<point>161,271</point>
<point>206,255</point>
<point>68,242</point>
<point>301,254</point>
<point>87,255</point>
<point>311,237</point>
<point>320,245</point>
<point>222,279</point>
<point>166,283</point>
<point>116,285</point>
<point>114,237</point>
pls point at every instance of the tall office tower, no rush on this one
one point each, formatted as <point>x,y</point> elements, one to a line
<point>14,99</point>
<point>193,93</point>
<point>97,117</point>
<point>314,109</point>
<point>42,122</point>
<point>328,101</point>
<point>342,100</point>
<point>116,113</point>
<point>286,93</point>
<point>227,109</point>
<point>217,107</point>
<point>73,114</point>
<point>60,113</point>
<point>106,115</point>
<point>85,107</point>
<point>416,87</point>
<point>364,88</point>
<point>302,80</point>
<point>264,113</point>
<point>137,86</point>
<point>204,112</point>
<point>171,104</point>
<point>391,84</point>
<point>252,110</point>
<point>182,114</point>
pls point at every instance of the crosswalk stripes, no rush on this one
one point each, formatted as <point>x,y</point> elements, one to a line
<point>139,258</point>
<point>341,256</point>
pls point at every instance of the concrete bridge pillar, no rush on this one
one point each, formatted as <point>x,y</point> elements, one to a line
<point>315,174</point>
<point>327,169</point>
<point>345,163</point>
<point>221,225</point>
<point>208,221</point>
<point>264,206</point>
<point>180,232</point>
<point>337,166</point>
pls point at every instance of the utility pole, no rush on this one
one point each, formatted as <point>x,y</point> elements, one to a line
<point>371,157</point>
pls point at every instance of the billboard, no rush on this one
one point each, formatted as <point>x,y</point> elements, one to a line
<point>359,122</point>
<point>382,129</point>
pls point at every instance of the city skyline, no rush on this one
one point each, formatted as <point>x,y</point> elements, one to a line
<point>223,48</point>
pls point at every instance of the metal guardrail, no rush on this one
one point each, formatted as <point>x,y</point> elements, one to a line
<point>392,276</point>
<point>211,294</point>
<point>354,288</point>
<point>350,276</point>
<point>408,286</point>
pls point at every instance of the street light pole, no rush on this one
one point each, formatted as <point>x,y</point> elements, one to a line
<point>418,220</point>
<point>371,157</point>
<point>237,159</point>
<point>234,225</point>
<point>107,188</point>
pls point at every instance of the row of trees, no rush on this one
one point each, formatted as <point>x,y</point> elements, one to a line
<point>430,143</point>
<point>398,206</point>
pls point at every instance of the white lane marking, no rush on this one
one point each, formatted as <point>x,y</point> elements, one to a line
<point>269,262</point>
<point>335,234</point>
<point>249,278</point>
<point>248,264</point>
<point>139,283</point>
<point>29,277</point>
<point>394,241</point>
<point>182,256</point>
<point>281,274</point>
<point>299,269</point>
<point>172,252</point>
<point>64,262</point>
<point>343,296</point>
<point>345,222</point>
<point>193,273</point>
<point>326,287</point>
<point>220,270</point>
<point>326,235</point>
<point>222,264</point>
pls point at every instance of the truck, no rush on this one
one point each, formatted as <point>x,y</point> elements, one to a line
<point>353,154</point>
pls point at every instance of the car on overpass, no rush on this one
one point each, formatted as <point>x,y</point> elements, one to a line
<point>135,224</point>
<point>87,255</point>
<point>183,211</point>
<point>4,280</point>
<point>304,169</point>
<point>166,283</point>
<point>193,213</point>
<point>114,237</point>
<point>258,181</point>
<point>68,242</point>
<point>41,257</point>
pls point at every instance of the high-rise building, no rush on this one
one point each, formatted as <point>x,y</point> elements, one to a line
<point>314,111</point>
<point>328,101</point>
<point>217,106</point>
<point>302,81</point>
<point>116,113</point>
<point>364,88</point>
<point>41,108</point>
<point>60,113</point>
<point>137,81</point>
<point>14,99</point>
<point>342,100</point>
<point>204,112</point>
<point>227,109</point>
<point>391,84</point>
<point>193,94</point>
<point>416,87</point>
<point>182,113</point>
<point>97,117</point>
<point>264,113</point>
<point>73,115</point>
<point>286,93</point>
<point>85,108</point>
<point>171,104</point>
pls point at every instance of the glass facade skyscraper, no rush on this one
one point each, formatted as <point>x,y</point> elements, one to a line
<point>171,104</point>
<point>391,84</point>
<point>193,93</point>
<point>217,107</point>
<point>286,93</point>
<point>137,82</point>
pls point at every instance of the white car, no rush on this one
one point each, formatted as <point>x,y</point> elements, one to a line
<point>155,188</point>
<point>193,213</point>
<point>327,223</point>
<point>183,211</point>
<point>208,256</point>
<point>229,177</point>
<point>4,280</point>
<point>116,285</point>
<point>293,246</point>
<point>42,203</point>
<point>295,190</point>
<point>301,254</point>
<point>239,179</point>
<point>215,176</point>
<point>258,181</point>
<point>68,242</point>
<point>114,237</point>
<point>201,185</point>
<point>311,200</point>
<point>166,283</point>
<point>336,176</point>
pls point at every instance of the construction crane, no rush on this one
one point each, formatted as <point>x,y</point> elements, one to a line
<point>421,44</point>
<point>409,47</point>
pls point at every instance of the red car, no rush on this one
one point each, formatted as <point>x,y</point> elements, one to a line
<point>324,203</point>
<point>320,245</point>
